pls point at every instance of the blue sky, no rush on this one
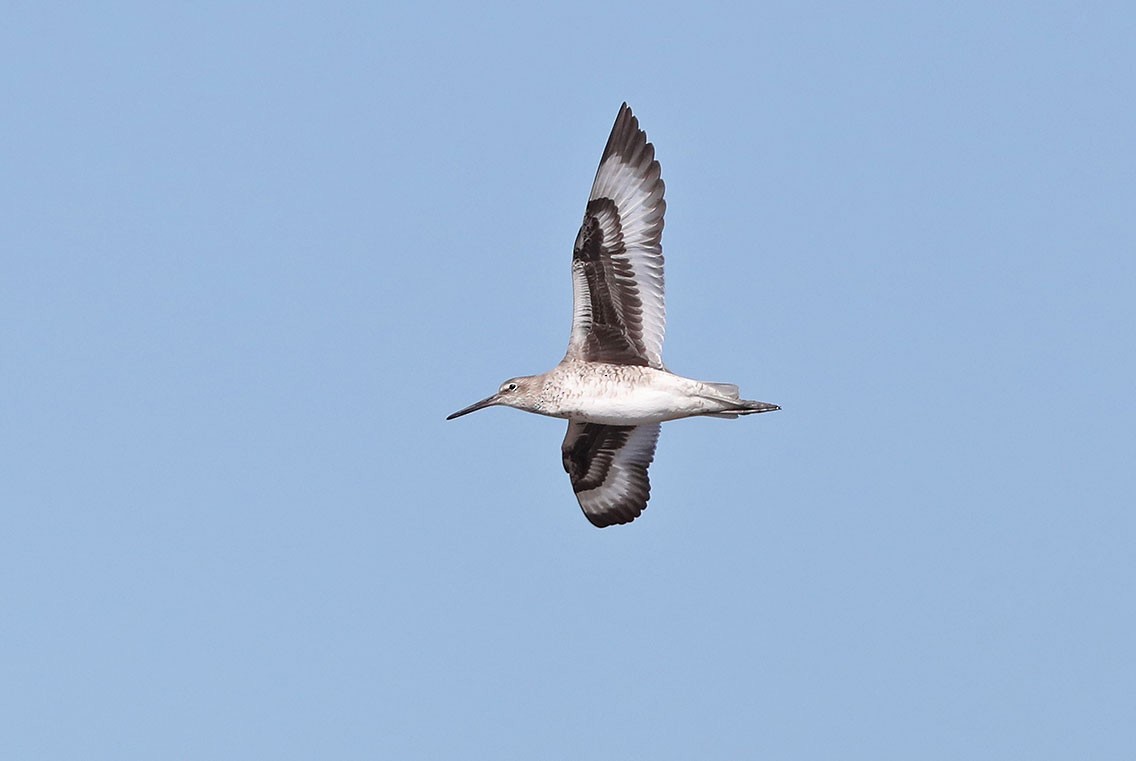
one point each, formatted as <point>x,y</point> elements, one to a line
<point>253,255</point>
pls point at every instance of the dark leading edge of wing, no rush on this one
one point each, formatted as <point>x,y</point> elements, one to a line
<point>608,468</point>
<point>619,314</point>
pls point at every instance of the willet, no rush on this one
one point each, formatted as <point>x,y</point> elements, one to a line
<point>612,386</point>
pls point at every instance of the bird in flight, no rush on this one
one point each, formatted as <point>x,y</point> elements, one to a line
<point>612,386</point>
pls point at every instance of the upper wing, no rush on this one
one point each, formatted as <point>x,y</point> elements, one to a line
<point>608,467</point>
<point>618,312</point>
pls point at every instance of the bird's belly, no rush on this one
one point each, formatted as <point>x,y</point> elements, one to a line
<point>643,405</point>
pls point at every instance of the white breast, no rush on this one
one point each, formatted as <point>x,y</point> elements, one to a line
<point>631,396</point>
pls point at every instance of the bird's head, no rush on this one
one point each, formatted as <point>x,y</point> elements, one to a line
<point>519,392</point>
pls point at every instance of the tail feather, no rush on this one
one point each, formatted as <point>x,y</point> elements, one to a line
<point>743,407</point>
<point>747,407</point>
<point>731,404</point>
<point>728,390</point>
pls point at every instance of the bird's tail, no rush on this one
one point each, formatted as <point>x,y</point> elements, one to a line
<point>747,407</point>
<point>734,406</point>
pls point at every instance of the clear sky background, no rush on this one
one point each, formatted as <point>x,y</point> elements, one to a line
<point>251,257</point>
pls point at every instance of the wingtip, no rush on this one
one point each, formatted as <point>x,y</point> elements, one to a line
<point>627,138</point>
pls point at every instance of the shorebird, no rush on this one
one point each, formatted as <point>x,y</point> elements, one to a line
<point>612,386</point>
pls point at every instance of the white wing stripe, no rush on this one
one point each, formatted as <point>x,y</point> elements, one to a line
<point>625,211</point>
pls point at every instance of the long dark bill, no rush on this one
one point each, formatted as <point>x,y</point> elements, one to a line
<point>488,401</point>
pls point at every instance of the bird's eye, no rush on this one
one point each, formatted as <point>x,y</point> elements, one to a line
<point>510,386</point>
